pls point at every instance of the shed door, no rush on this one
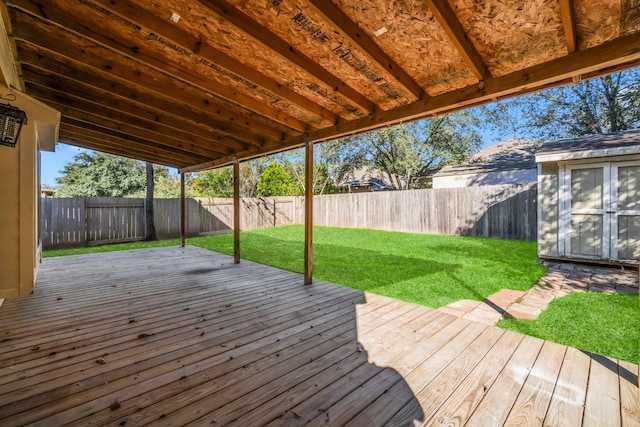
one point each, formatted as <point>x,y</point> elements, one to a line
<point>625,207</point>
<point>603,211</point>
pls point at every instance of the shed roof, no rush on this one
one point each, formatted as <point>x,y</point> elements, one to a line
<point>591,146</point>
<point>196,84</point>
<point>513,154</point>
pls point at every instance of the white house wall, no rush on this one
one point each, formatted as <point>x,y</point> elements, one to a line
<point>19,248</point>
<point>521,176</point>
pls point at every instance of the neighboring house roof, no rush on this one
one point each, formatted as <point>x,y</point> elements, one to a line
<point>513,154</point>
<point>590,146</point>
<point>366,177</point>
<point>363,175</point>
<point>428,171</point>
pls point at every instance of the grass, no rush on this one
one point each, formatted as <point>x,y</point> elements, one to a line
<point>431,270</point>
<point>110,248</point>
<point>434,270</point>
<point>597,323</point>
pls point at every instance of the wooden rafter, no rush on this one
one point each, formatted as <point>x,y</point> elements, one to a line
<point>111,73</point>
<point>136,115</point>
<point>225,79</point>
<point>109,126</point>
<point>96,131</point>
<point>359,38</point>
<point>569,24</point>
<point>449,22</point>
<point>270,41</point>
<point>174,35</point>
<point>122,103</point>
<point>84,110</point>
<point>622,51</point>
<point>9,65</point>
<point>97,141</point>
<point>42,32</point>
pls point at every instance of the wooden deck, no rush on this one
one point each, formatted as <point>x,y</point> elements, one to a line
<point>184,337</point>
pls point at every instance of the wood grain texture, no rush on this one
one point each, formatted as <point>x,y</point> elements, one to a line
<point>183,336</point>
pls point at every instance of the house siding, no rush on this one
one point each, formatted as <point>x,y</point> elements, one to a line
<point>19,251</point>
<point>512,177</point>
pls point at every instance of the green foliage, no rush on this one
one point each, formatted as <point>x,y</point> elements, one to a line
<point>322,182</point>
<point>597,323</point>
<point>219,182</point>
<point>605,104</point>
<point>275,181</point>
<point>214,183</point>
<point>111,248</point>
<point>94,174</point>
<point>168,187</point>
<point>401,152</point>
<point>431,270</point>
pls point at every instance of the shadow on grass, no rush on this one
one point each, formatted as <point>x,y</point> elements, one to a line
<point>416,279</point>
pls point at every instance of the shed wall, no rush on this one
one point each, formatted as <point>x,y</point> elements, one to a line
<point>548,202</point>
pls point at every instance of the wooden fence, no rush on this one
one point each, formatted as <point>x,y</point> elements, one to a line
<point>492,211</point>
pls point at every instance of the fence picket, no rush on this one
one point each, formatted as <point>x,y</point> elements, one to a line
<point>492,211</point>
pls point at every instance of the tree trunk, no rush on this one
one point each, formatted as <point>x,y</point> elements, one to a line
<point>151,228</point>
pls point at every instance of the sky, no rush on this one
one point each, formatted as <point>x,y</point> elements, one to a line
<point>53,162</point>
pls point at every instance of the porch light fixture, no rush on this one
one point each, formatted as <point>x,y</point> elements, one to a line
<point>11,121</point>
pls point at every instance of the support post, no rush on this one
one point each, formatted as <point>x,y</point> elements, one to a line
<point>308,212</point>
<point>182,212</point>
<point>236,211</point>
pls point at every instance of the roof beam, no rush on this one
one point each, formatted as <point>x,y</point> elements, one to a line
<point>114,108</point>
<point>449,22</point>
<point>80,133</point>
<point>161,145</point>
<point>45,13</point>
<point>274,43</point>
<point>569,24</point>
<point>167,140</point>
<point>68,136</point>
<point>84,110</point>
<point>359,38</point>
<point>621,53</point>
<point>109,82</point>
<point>172,33</point>
<point>8,59</point>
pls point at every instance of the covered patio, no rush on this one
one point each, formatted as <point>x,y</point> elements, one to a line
<point>183,336</point>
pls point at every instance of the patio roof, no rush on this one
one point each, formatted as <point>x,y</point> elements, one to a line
<point>197,84</point>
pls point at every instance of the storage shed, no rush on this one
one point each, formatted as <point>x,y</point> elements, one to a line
<point>589,198</point>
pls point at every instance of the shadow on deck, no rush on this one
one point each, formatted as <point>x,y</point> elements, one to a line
<point>183,336</point>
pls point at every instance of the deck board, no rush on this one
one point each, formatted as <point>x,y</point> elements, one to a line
<point>189,338</point>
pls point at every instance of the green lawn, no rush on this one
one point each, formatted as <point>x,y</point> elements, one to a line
<point>110,248</point>
<point>435,270</point>
<point>430,270</point>
<point>597,323</point>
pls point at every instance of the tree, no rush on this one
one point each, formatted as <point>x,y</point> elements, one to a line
<point>322,181</point>
<point>275,181</point>
<point>402,151</point>
<point>605,104</point>
<point>214,183</point>
<point>151,227</point>
<point>219,182</point>
<point>94,174</point>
